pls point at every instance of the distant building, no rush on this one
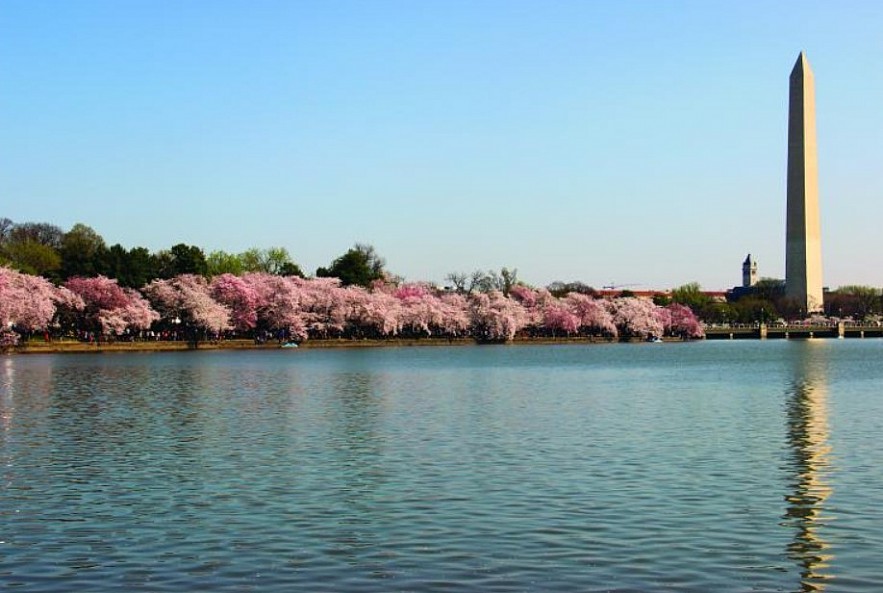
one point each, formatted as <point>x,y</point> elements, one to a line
<point>749,272</point>
<point>749,280</point>
<point>608,293</point>
<point>717,296</point>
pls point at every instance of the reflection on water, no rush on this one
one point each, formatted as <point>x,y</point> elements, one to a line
<point>572,468</point>
<point>808,437</point>
<point>355,443</point>
<point>7,379</point>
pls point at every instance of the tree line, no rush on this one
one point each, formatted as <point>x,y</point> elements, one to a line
<point>766,302</point>
<point>264,306</point>
<point>71,284</point>
<point>46,250</point>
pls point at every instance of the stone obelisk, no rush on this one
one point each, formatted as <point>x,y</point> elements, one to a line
<point>803,247</point>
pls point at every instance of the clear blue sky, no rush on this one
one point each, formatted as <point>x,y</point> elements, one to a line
<point>629,142</point>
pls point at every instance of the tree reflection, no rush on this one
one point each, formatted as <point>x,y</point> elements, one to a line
<point>7,380</point>
<point>808,431</point>
<point>357,444</point>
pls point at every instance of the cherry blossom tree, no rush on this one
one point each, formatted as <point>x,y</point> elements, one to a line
<point>8,338</point>
<point>636,317</point>
<point>524,295</point>
<point>67,300</point>
<point>495,318</point>
<point>455,318</point>
<point>138,313</point>
<point>683,322</point>
<point>411,291</point>
<point>421,312</point>
<point>664,316</point>
<point>321,307</point>
<point>325,305</point>
<point>239,295</point>
<point>277,304</point>
<point>27,303</point>
<point>534,304</point>
<point>109,308</point>
<point>377,313</point>
<point>558,318</point>
<point>594,318</point>
<point>187,299</point>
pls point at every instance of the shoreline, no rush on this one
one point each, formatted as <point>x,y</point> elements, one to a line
<point>74,347</point>
<point>38,346</point>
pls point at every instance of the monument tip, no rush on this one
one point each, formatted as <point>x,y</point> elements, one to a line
<point>802,64</point>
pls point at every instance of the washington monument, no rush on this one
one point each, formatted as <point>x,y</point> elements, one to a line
<point>803,247</point>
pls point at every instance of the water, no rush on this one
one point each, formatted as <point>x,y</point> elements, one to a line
<point>719,466</point>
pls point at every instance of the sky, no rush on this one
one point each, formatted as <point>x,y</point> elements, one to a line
<point>632,143</point>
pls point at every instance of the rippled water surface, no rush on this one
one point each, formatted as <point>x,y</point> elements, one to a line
<point>721,466</point>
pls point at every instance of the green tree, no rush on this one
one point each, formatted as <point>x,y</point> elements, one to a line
<point>116,262</point>
<point>131,268</point>
<point>142,268</point>
<point>720,312</point>
<point>32,257</point>
<point>691,295</point>
<point>279,262</point>
<point>274,260</point>
<point>661,300</point>
<point>38,232</point>
<point>361,265</point>
<point>31,247</point>
<point>291,269</point>
<point>559,289</point>
<point>163,264</point>
<point>770,289</point>
<point>251,260</point>
<point>186,259</point>
<point>83,252</point>
<point>853,301</point>
<point>221,262</point>
<point>752,309</point>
